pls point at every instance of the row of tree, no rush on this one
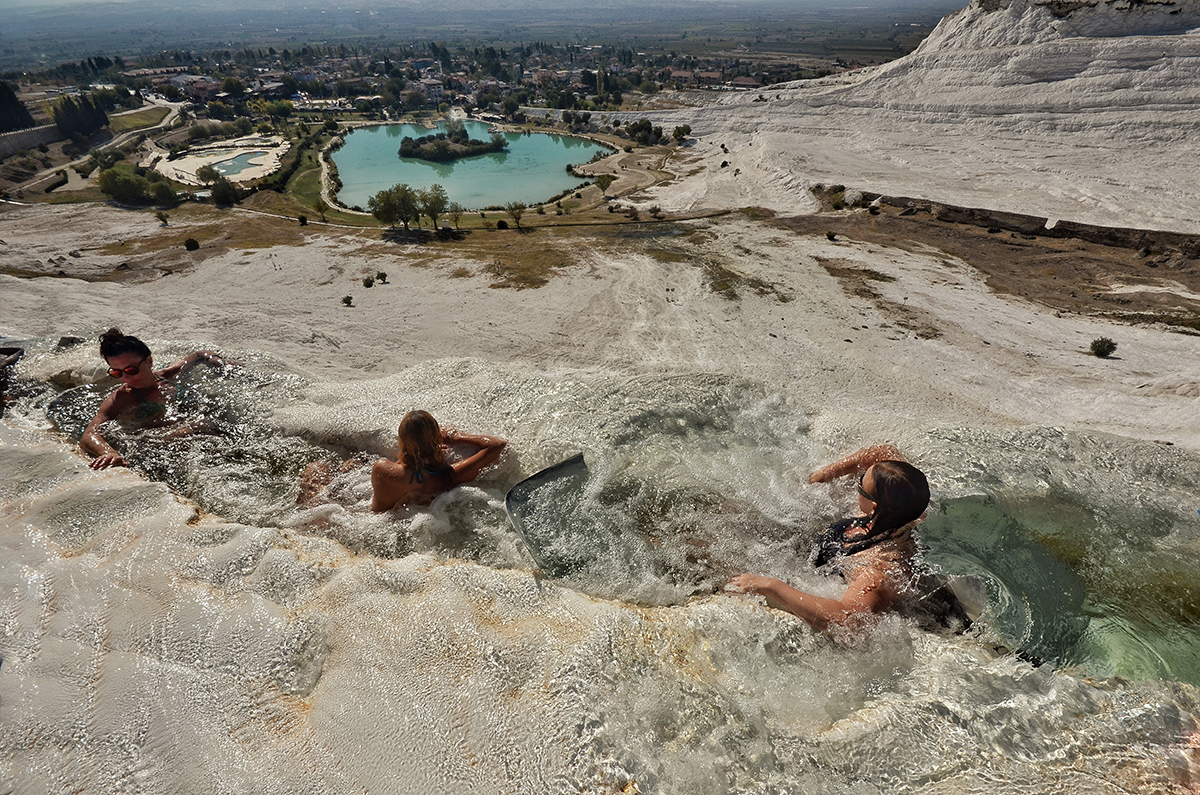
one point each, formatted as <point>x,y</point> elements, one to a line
<point>224,192</point>
<point>403,204</point>
<point>130,187</point>
<point>440,148</point>
<point>13,113</point>
<point>79,117</point>
<point>146,186</point>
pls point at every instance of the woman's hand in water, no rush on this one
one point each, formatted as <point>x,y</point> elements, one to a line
<point>185,364</point>
<point>822,474</point>
<point>106,460</point>
<point>749,583</point>
<point>217,360</point>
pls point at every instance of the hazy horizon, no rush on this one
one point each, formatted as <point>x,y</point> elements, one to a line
<point>392,4</point>
<point>41,33</point>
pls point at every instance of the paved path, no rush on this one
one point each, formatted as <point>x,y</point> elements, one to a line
<point>120,140</point>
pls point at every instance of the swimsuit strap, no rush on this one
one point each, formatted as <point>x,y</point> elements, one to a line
<point>418,475</point>
<point>158,379</point>
<point>863,544</point>
<point>833,543</point>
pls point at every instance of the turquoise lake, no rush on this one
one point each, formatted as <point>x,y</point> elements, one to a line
<point>237,165</point>
<point>532,170</point>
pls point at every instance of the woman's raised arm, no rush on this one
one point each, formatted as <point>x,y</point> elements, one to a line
<point>858,461</point>
<point>469,468</point>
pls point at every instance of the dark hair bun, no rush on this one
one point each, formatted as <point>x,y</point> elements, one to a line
<point>114,343</point>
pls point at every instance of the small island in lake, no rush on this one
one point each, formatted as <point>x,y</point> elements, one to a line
<point>452,144</point>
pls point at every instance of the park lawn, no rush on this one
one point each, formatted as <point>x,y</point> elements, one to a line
<point>286,204</point>
<point>92,193</point>
<point>306,182</point>
<point>136,121</point>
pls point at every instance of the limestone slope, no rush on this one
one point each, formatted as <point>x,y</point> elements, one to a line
<point>1082,111</point>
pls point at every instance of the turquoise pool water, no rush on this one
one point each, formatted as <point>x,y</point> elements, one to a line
<point>531,171</point>
<point>236,165</point>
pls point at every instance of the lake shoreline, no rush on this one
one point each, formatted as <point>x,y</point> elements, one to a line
<point>530,160</point>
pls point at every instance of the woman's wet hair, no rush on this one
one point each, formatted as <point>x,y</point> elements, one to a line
<point>420,441</point>
<point>901,495</point>
<point>114,343</point>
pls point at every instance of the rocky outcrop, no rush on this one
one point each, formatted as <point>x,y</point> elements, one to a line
<point>999,23</point>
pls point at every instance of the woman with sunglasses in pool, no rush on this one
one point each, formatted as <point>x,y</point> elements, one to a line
<point>144,392</point>
<point>874,552</point>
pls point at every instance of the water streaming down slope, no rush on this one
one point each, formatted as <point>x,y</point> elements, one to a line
<point>278,659</point>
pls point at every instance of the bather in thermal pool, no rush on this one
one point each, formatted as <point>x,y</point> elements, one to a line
<point>250,645</point>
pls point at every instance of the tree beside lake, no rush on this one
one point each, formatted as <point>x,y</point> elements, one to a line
<point>434,202</point>
<point>399,204</point>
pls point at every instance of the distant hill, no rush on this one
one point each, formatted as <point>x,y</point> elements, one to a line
<point>49,31</point>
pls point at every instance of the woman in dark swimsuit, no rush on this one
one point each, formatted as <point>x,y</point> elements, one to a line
<point>874,552</point>
<point>144,393</point>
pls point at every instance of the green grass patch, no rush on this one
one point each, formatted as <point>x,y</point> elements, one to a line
<point>727,283</point>
<point>305,184</point>
<point>216,230</point>
<point>875,276</point>
<point>268,201</point>
<point>88,194</point>
<point>664,255</point>
<point>136,121</point>
<point>757,213</point>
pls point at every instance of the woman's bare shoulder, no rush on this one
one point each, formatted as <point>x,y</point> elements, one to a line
<point>119,401</point>
<point>386,468</point>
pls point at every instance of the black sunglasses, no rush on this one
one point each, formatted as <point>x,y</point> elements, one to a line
<point>866,495</point>
<point>133,369</point>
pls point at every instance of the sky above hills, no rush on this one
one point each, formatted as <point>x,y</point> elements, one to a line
<point>542,4</point>
<point>38,33</point>
<point>555,8</point>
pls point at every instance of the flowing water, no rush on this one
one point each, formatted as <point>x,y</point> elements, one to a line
<point>258,646</point>
<point>531,170</point>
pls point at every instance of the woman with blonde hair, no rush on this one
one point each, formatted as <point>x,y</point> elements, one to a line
<point>421,470</point>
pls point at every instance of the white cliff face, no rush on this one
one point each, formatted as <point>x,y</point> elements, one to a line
<point>1033,58</point>
<point>1084,111</point>
<point>997,23</point>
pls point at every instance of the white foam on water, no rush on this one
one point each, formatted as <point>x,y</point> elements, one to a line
<point>147,642</point>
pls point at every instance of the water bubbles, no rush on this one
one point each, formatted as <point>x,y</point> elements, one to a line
<point>367,632</point>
